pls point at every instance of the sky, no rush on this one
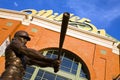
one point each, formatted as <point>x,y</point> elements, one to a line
<point>104,14</point>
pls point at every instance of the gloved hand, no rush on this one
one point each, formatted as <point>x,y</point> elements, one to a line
<point>56,65</point>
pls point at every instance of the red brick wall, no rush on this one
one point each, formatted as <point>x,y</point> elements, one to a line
<point>101,62</point>
<point>7,27</point>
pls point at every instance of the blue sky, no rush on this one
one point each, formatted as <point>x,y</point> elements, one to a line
<point>104,14</point>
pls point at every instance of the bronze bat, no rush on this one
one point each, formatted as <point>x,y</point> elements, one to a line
<point>64,25</point>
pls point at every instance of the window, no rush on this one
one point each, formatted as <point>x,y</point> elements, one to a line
<point>68,65</point>
<point>28,73</point>
<point>71,68</point>
<point>43,75</point>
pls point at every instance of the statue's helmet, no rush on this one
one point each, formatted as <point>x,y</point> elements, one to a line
<point>23,34</point>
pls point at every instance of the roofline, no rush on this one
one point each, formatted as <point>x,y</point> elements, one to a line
<point>55,26</point>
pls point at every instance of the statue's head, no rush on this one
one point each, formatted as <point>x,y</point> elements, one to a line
<point>22,34</point>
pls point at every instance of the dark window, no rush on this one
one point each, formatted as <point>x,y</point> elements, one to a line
<point>28,73</point>
<point>43,75</point>
<point>69,64</point>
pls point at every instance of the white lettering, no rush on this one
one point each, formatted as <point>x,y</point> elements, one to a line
<point>83,23</point>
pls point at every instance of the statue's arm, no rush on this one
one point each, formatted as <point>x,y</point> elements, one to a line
<point>31,53</point>
<point>35,58</point>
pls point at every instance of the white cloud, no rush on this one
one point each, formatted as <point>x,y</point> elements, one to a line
<point>99,10</point>
<point>15,4</point>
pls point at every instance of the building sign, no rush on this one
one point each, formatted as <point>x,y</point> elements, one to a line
<point>3,46</point>
<point>83,23</point>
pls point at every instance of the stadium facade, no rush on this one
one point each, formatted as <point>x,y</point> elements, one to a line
<point>88,53</point>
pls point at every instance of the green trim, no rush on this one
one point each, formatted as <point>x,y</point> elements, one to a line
<point>59,73</point>
<point>103,52</point>
<point>34,30</point>
<point>45,53</point>
<point>34,73</point>
<point>78,71</point>
<point>9,24</point>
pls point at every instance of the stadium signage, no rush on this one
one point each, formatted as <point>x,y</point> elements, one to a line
<point>82,23</point>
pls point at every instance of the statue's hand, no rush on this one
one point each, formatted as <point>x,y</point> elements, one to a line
<point>56,65</point>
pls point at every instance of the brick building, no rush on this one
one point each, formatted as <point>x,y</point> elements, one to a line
<point>88,53</point>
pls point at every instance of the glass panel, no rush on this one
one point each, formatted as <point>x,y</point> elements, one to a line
<point>65,68</point>
<point>38,78</point>
<point>66,62</point>
<point>28,73</point>
<point>49,76</point>
<point>51,55</point>
<point>82,74</point>
<point>61,78</point>
<point>42,75</point>
<point>30,69</point>
<point>48,55</point>
<point>69,63</point>
<point>73,71</point>
<point>39,75</point>
<point>75,66</point>
<point>27,76</point>
<point>54,56</point>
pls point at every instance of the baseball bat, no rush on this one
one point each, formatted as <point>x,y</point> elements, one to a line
<point>64,25</point>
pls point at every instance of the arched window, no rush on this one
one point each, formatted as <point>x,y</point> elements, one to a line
<point>71,68</point>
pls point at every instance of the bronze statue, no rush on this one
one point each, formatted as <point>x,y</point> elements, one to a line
<point>17,56</point>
